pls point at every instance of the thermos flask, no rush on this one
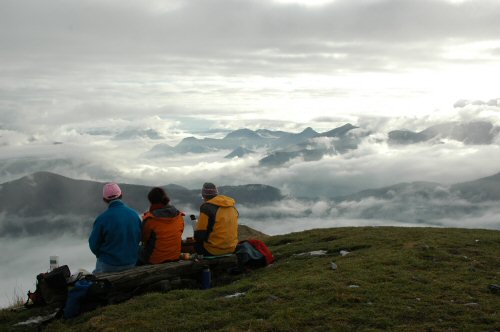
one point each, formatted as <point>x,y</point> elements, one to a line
<point>206,278</point>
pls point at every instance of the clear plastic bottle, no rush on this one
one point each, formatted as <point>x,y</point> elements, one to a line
<point>193,221</point>
<point>53,262</point>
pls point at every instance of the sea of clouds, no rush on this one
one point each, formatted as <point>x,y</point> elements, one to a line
<point>91,150</point>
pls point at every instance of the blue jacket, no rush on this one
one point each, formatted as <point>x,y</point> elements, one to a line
<point>116,235</point>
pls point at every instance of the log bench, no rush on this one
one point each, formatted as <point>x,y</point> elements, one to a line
<point>166,276</point>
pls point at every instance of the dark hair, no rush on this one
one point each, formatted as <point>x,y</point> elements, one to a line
<point>158,195</point>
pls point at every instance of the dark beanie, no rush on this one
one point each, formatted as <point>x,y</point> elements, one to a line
<point>158,195</point>
<point>209,189</point>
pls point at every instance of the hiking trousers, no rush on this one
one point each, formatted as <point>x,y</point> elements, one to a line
<point>101,267</point>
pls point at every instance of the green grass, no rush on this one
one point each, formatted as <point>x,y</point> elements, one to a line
<point>410,279</point>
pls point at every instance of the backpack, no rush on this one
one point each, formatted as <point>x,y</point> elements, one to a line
<point>75,297</point>
<point>51,288</point>
<point>253,254</point>
<point>86,295</point>
<point>263,249</point>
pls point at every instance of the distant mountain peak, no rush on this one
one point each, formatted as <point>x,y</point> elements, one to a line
<point>189,139</point>
<point>339,131</point>
<point>44,175</point>
<point>238,152</point>
<point>242,133</point>
<point>309,131</point>
<point>272,134</point>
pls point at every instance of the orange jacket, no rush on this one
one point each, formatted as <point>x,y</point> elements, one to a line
<point>162,235</point>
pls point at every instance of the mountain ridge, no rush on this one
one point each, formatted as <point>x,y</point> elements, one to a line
<point>36,202</point>
<point>46,202</point>
<point>276,142</point>
<point>280,147</point>
<point>472,132</point>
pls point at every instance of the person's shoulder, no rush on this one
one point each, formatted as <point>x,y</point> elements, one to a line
<point>223,201</point>
<point>104,214</point>
<point>124,209</point>
<point>122,205</point>
<point>207,205</point>
<point>99,219</point>
<point>133,213</point>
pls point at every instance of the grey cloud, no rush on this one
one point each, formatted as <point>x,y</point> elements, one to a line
<point>479,110</point>
<point>77,62</point>
<point>13,167</point>
<point>296,224</point>
<point>12,137</point>
<point>421,204</point>
<point>245,30</point>
<point>461,103</point>
<point>130,133</point>
<point>372,165</point>
<point>464,102</point>
<point>494,102</point>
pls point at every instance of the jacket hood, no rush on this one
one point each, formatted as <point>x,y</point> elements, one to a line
<point>169,211</point>
<point>221,200</point>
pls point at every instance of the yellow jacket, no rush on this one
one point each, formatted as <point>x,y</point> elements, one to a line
<point>217,226</point>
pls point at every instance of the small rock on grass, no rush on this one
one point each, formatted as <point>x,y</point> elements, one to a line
<point>471,304</point>
<point>235,295</point>
<point>273,298</point>
<point>313,253</point>
<point>495,289</point>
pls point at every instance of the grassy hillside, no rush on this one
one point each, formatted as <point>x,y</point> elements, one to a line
<point>400,279</point>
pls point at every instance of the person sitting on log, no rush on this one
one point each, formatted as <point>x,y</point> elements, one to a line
<point>216,231</point>
<point>162,228</point>
<point>116,233</point>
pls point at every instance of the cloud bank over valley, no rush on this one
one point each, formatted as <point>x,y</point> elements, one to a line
<point>310,162</point>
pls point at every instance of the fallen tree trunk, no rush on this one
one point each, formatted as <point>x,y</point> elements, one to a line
<point>181,274</point>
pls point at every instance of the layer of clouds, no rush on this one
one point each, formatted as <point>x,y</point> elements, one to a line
<point>95,153</point>
<point>24,258</point>
<point>447,211</point>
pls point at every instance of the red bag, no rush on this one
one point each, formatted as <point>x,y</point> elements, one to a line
<point>263,249</point>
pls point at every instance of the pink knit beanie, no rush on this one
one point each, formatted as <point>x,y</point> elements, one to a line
<point>111,191</point>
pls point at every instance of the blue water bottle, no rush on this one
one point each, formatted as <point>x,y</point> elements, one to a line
<point>206,278</point>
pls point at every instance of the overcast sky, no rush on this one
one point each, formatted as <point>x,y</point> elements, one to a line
<point>73,72</point>
<point>240,61</point>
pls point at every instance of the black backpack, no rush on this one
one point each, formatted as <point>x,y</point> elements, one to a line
<point>51,288</point>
